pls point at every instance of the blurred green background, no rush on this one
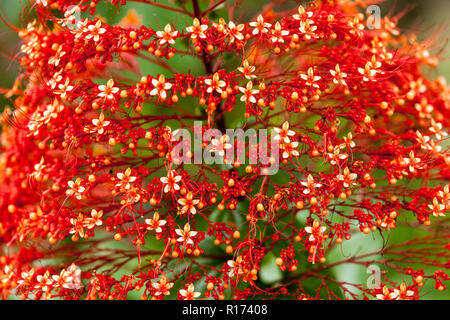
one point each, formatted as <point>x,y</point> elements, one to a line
<point>423,17</point>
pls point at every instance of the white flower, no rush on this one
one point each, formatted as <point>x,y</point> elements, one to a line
<point>155,223</point>
<point>316,231</point>
<point>72,277</point>
<point>57,57</point>
<point>308,30</point>
<point>167,36</point>
<point>303,15</point>
<point>125,178</point>
<point>235,31</point>
<point>247,70</point>
<point>437,208</point>
<point>248,93</point>
<point>161,86</point>
<point>162,286</point>
<point>95,219</point>
<point>108,91</point>
<point>284,133</point>
<point>76,189</point>
<point>436,128</point>
<point>26,278</point>
<point>337,155</point>
<point>64,89</point>
<point>412,161</point>
<point>444,195</point>
<point>387,295</point>
<point>197,29</point>
<point>368,72</point>
<point>347,177</point>
<point>278,34</point>
<point>260,26</point>
<point>38,167</point>
<point>78,225</point>
<point>310,78</point>
<point>94,31</point>
<point>44,282</point>
<point>215,84</point>
<point>338,75</point>
<point>220,145</point>
<point>188,204</point>
<point>235,267</point>
<point>290,149</point>
<point>99,124</point>
<point>310,185</point>
<point>42,2</point>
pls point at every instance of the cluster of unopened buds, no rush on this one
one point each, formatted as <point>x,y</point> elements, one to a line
<point>86,155</point>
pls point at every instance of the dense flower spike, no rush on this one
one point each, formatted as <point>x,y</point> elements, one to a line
<point>87,155</point>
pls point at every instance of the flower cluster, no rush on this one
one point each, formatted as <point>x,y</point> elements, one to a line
<point>86,155</point>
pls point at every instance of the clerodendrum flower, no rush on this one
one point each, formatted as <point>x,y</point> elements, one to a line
<point>248,93</point>
<point>90,184</point>
<point>163,286</point>
<point>260,26</point>
<point>125,179</point>
<point>283,133</point>
<point>167,36</point>
<point>171,181</point>
<point>189,293</point>
<point>247,70</point>
<point>220,145</point>
<point>316,231</point>
<point>215,84</point>
<point>108,91</point>
<point>160,87</point>
<point>188,204</point>
<point>197,29</point>
<point>155,223</point>
<point>186,234</point>
<point>99,124</point>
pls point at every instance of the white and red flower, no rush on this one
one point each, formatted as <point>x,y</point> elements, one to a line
<point>197,30</point>
<point>189,293</point>
<point>155,223</point>
<point>171,181</point>
<point>310,185</point>
<point>107,91</point>
<point>160,87</point>
<point>125,179</point>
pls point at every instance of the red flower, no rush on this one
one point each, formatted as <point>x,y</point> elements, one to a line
<point>358,146</point>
